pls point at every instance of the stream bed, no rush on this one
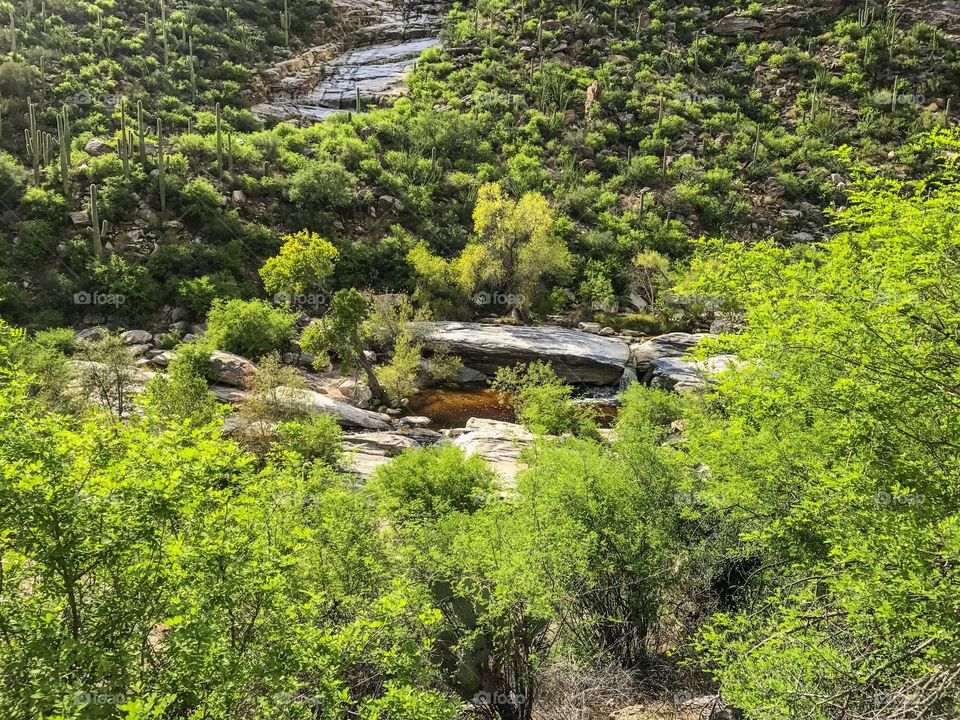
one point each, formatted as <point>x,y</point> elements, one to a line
<point>451,407</point>
<point>374,65</point>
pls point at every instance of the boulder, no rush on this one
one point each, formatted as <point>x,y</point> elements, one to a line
<point>576,356</point>
<point>97,147</point>
<point>365,452</point>
<point>231,369</point>
<point>356,392</point>
<point>685,375</point>
<point>137,337</point>
<point>734,25</point>
<point>92,334</point>
<point>671,345</point>
<point>469,376</point>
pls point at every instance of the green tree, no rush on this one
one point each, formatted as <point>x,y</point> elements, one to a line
<point>517,245</point>
<point>304,265</point>
<point>831,451</point>
<point>343,331</point>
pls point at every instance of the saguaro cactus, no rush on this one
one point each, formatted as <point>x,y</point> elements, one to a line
<point>161,168</point>
<point>140,134</point>
<point>98,230</point>
<point>193,72</point>
<point>865,15</point>
<point>125,141</point>
<point>63,141</point>
<point>285,23</point>
<point>13,31</point>
<point>163,34</point>
<point>219,144</point>
<point>34,140</point>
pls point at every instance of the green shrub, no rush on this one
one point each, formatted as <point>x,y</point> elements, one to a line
<point>317,437</point>
<point>41,204</point>
<point>201,200</point>
<point>251,328</point>
<point>543,402</point>
<point>425,484</point>
<point>322,184</point>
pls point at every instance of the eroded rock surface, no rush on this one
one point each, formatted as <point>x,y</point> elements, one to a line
<point>576,356</point>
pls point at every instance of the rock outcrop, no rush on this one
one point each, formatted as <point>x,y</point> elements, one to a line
<point>365,452</point>
<point>576,356</point>
<point>499,443</point>
<point>314,402</point>
<point>671,345</point>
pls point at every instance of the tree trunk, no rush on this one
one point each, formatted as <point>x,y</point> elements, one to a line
<point>375,387</point>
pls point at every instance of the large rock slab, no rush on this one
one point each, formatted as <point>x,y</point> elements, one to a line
<point>685,375</point>
<point>308,401</point>
<point>576,356</point>
<point>314,402</point>
<point>499,443</point>
<point>365,452</point>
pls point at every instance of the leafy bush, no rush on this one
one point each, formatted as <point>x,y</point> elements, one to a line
<point>201,200</point>
<point>425,484</point>
<point>251,328</point>
<point>322,184</point>
<point>543,402</point>
<point>316,438</point>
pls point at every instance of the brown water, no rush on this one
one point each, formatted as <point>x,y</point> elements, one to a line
<point>452,407</point>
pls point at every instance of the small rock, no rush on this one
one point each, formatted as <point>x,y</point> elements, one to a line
<point>414,421</point>
<point>590,327</point>
<point>80,218</point>
<point>607,332</point>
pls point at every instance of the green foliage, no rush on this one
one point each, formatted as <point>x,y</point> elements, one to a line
<point>201,200</point>
<point>316,438</point>
<point>425,484</point>
<point>305,263</point>
<point>322,184</point>
<point>828,450</point>
<point>249,327</point>
<point>543,402</point>
<point>398,378</point>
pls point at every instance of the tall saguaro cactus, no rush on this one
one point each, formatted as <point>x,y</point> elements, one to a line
<point>193,72</point>
<point>140,134</point>
<point>34,140</point>
<point>161,168</point>
<point>13,30</point>
<point>98,230</point>
<point>865,15</point>
<point>64,141</point>
<point>163,34</point>
<point>285,23</point>
<point>219,143</point>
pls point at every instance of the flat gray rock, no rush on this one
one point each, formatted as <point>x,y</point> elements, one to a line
<point>345,414</point>
<point>685,375</point>
<point>671,345</point>
<point>576,356</point>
